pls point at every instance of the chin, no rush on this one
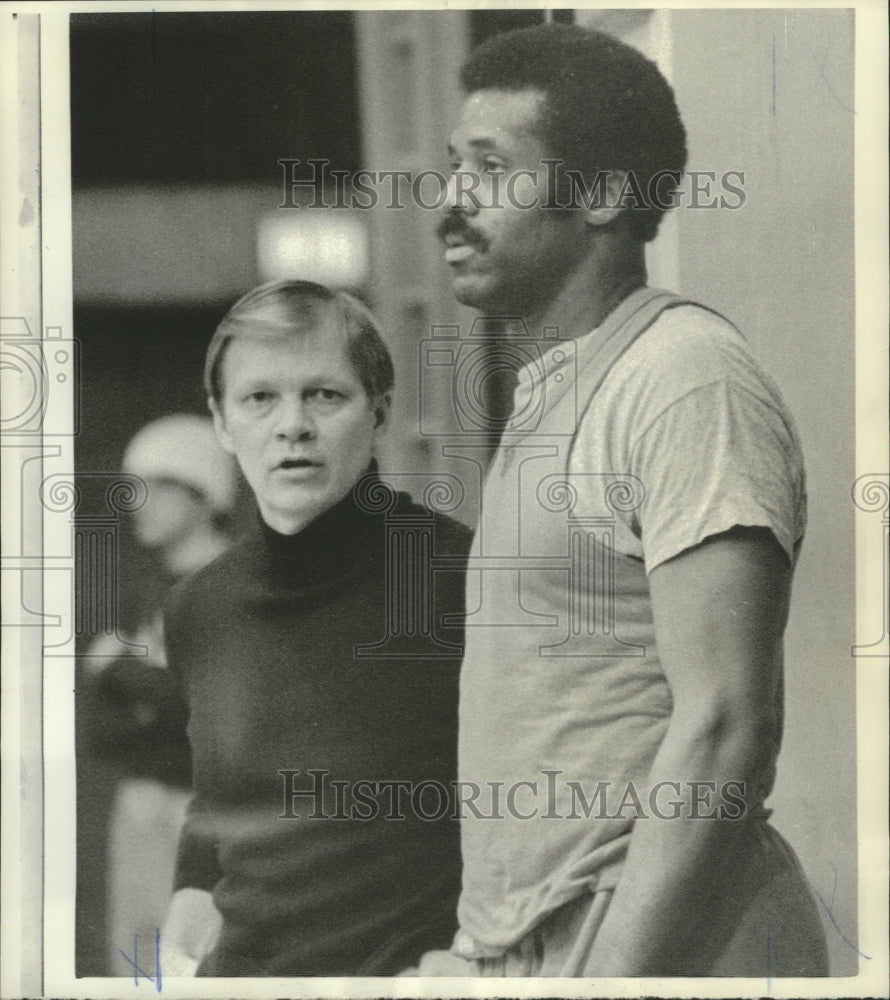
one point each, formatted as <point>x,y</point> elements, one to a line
<point>469,293</point>
<point>492,298</point>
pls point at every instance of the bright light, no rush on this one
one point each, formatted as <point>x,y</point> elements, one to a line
<point>327,246</point>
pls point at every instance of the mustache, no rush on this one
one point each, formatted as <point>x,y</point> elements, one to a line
<point>456,225</point>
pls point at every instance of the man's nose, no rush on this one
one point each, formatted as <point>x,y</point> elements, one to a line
<point>461,192</point>
<point>296,421</point>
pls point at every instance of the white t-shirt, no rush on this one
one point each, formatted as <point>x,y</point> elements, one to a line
<point>689,419</point>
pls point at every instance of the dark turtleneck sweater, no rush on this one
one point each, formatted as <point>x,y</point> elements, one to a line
<point>265,642</point>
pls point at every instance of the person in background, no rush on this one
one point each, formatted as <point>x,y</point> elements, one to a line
<point>637,545</point>
<point>319,667</point>
<point>138,716</point>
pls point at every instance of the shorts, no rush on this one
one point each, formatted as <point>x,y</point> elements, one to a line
<point>764,924</point>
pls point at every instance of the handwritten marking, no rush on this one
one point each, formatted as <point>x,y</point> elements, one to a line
<point>828,910</point>
<point>134,961</point>
<point>820,66</point>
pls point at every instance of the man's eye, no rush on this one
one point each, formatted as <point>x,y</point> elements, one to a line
<point>493,167</point>
<point>327,395</point>
<point>258,397</point>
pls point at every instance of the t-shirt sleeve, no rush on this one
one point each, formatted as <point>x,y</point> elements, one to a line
<point>719,457</point>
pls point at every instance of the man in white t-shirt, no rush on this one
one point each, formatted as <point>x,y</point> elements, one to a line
<point>621,694</point>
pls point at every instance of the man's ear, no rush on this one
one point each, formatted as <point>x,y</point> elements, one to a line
<point>610,197</point>
<point>219,426</point>
<point>382,406</point>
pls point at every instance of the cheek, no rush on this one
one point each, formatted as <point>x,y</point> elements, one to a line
<point>522,234</point>
<point>248,450</point>
<point>244,435</point>
<point>356,439</point>
<point>523,194</point>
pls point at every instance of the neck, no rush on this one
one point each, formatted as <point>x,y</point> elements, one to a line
<point>611,269</point>
<point>330,544</point>
<point>286,523</point>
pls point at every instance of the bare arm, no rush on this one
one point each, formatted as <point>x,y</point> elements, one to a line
<point>720,610</point>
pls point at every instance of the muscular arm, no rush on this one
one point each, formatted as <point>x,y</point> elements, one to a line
<point>720,610</point>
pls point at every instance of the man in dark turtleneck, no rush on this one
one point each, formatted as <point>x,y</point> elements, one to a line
<point>323,724</point>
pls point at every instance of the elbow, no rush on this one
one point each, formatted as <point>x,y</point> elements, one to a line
<point>725,736</point>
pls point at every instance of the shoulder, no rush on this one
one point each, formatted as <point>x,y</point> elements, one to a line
<point>690,358</point>
<point>451,537</point>
<point>689,412</point>
<point>687,346</point>
<point>207,587</point>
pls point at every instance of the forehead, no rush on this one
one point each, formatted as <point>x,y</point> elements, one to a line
<point>500,118</point>
<point>314,349</point>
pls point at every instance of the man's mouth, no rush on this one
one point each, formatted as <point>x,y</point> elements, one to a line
<point>460,242</point>
<point>297,464</point>
<point>460,246</point>
<point>455,252</point>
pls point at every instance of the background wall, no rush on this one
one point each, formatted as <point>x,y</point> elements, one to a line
<point>771,93</point>
<point>160,250</point>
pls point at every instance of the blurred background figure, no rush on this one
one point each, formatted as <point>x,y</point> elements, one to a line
<point>137,719</point>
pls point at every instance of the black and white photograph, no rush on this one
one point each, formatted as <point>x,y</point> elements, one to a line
<point>445,500</point>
